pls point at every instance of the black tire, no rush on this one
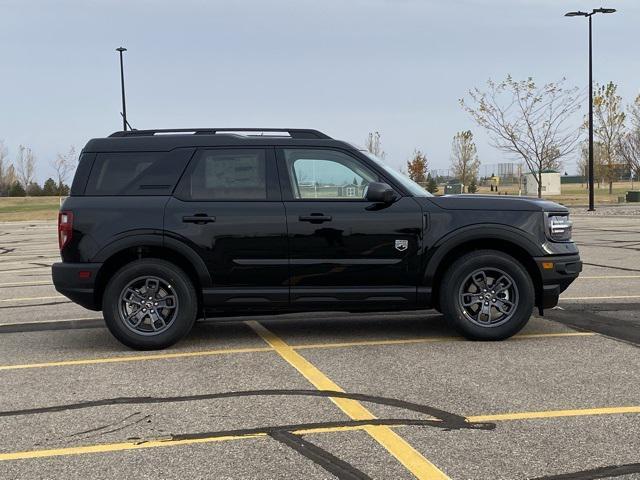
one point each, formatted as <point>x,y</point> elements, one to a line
<point>463,282</point>
<point>161,277</point>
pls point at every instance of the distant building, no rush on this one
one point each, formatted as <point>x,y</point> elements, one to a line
<point>351,190</point>
<point>550,183</point>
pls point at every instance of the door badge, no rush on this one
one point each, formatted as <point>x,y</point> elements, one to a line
<point>402,245</point>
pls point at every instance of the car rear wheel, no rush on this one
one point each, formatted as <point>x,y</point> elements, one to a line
<point>487,295</point>
<point>150,304</point>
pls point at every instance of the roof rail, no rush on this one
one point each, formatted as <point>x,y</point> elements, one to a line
<point>293,132</point>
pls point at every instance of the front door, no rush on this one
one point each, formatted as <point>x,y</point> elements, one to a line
<point>345,251</point>
<point>228,208</point>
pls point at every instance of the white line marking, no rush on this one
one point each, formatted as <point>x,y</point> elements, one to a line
<point>26,299</point>
<point>17,284</point>
<point>602,277</point>
<point>600,298</point>
<point>36,322</point>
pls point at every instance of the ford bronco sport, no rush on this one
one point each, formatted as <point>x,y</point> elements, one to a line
<point>166,226</point>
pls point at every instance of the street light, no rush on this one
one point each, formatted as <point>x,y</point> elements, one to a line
<point>589,15</point>
<point>124,105</point>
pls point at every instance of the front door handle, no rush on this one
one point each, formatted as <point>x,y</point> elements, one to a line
<point>199,218</point>
<point>315,218</point>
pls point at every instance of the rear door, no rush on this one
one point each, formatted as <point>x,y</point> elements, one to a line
<point>345,251</point>
<point>228,208</point>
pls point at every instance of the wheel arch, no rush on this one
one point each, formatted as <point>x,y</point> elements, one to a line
<point>150,246</point>
<point>503,239</point>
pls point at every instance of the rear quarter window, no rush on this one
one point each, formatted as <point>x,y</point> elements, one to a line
<point>82,173</point>
<point>137,173</point>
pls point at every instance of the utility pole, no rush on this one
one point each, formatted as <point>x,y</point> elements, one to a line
<point>590,167</point>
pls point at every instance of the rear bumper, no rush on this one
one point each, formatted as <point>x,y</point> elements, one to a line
<point>556,279</point>
<point>76,286</point>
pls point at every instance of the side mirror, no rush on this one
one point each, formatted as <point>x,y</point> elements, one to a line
<point>380,193</point>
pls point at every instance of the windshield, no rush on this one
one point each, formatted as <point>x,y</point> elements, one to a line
<point>414,189</point>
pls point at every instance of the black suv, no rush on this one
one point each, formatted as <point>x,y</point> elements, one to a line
<point>166,226</point>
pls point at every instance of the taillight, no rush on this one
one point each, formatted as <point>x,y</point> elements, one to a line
<point>65,228</point>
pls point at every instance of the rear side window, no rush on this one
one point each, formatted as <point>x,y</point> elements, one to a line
<point>223,175</point>
<point>137,173</point>
<point>82,173</point>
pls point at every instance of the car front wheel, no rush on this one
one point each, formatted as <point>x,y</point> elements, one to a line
<point>150,304</point>
<point>487,295</point>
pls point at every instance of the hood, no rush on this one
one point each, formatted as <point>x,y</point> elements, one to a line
<point>496,202</point>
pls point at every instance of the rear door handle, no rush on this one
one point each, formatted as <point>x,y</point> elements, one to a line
<point>315,218</point>
<point>200,218</point>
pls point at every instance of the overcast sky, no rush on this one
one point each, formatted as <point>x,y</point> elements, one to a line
<point>345,67</point>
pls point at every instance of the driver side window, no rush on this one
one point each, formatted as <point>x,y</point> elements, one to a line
<point>326,175</point>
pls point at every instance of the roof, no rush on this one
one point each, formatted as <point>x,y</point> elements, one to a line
<point>164,140</point>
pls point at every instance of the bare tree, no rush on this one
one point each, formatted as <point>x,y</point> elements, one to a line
<point>629,149</point>
<point>527,120</point>
<point>598,162</point>
<point>464,157</point>
<point>25,164</point>
<point>3,168</point>
<point>63,165</point>
<point>374,145</point>
<point>629,146</point>
<point>608,127</point>
<point>417,167</point>
<point>634,113</point>
<point>10,177</point>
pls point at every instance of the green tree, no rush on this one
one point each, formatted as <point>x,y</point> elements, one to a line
<point>34,190</point>
<point>17,190</point>
<point>473,186</point>
<point>64,190</point>
<point>432,185</point>
<point>50,188</point>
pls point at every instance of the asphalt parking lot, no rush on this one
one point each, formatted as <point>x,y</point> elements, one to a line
<point>331,395</point>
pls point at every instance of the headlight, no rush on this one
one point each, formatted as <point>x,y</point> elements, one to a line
<point>558,227</point>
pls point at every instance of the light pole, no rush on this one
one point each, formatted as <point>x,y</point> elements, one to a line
<point>124,104</point>
<point>589,15</point>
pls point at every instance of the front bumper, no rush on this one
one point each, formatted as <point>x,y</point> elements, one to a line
<point>557,273</point>
<point>76,281</point>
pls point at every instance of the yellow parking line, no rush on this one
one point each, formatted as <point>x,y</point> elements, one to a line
<point>412,460</point>
<point>26,299</point>
<point>553,414</point>
<point>115,447</point>
<point>135,358</point>
<point>138,358</point>
<point>408,341</point>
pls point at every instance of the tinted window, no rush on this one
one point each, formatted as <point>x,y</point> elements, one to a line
<point>327,174</point>
<point>82,173</point>
<point>137,173</point>
<point>233,174</point>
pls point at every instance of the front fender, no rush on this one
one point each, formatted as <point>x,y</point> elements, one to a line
<point>475,233</point>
